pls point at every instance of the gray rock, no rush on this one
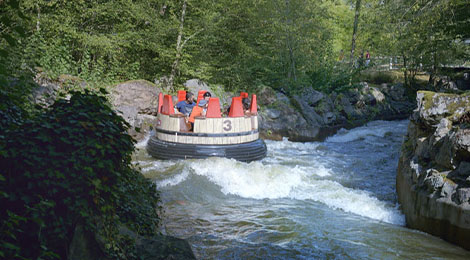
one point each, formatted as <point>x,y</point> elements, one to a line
<point>45,93</point>
<point>461,140</point>
<point>282,98</point>
<point>137,102</point>
<point>416,169</point>
<point>164,247</point>
<point>308,111</point>
<point>267,96</point>
<point>422,147</point>
<point>447,190</point>
<point>273,113</point>
<point>196,85</point>
<point>433,180</point>
<point>377,95</point>
<point>311,96</point>
<point>443,128</point>
<point>129,113</point>
<point>329,117</point>
<point>88,245</point>
<point>141,94</point>
<point>397,92</point>
<point>433,107</point>
<point>464,169</point>
<point>463,195</point>
<point>84,245</point>
<point>344,105</point>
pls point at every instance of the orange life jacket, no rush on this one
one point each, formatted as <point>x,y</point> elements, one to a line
<point>197,111</point>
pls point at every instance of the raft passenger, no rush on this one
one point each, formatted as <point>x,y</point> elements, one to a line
<point>207,96</point>
<point>199,110</point>
<point>246,105</point>
<point>186,106</point>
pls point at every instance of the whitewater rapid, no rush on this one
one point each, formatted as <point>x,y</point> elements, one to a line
<point>279,176</point>
<point>304,200</point>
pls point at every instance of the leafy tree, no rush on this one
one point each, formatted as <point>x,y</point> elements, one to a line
<point>426,34</point>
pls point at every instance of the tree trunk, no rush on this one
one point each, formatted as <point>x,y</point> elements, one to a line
<point>405,74</point>
<point>356,21</point>
<point>38,24</point>
<point>291,71</point>
<point>179,47</point>
<point>433,69</point>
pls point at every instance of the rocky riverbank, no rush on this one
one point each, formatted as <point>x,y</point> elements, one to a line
<point>313,115</point>
<point>309,116</point>
<point>433,179</point>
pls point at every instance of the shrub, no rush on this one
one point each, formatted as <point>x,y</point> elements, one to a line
<point>70,164</point>
<point>379,77</point>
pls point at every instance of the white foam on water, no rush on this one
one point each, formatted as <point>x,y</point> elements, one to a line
<point>156,165</point>
<point>143,142</point>
<point>174,180</point>
<point>258,181</point>
<point>350,200</point>
<point>286,144</point>
<point>373,129</point>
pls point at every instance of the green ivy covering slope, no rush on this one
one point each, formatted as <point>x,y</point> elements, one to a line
<point>66,165</point>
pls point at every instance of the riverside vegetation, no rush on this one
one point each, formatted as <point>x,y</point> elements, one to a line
<point>70,165</point>
<point>66,165</point>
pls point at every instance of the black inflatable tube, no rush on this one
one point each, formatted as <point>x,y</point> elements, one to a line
<point>245,152</point>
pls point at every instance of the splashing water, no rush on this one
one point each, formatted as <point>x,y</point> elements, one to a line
<point>332,199</point>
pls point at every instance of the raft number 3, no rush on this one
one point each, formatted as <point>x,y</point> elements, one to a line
<point>227,125</point>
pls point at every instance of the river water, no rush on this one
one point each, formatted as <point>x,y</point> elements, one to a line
<point>320,200</point>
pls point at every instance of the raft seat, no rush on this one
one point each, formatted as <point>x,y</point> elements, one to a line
<point>160,102</point>
<point>213,110</point>
<point>200,95</point>
<point>181,95</point>
<point>253,106</point>
<point>236,108</point>
<point>167,108</point>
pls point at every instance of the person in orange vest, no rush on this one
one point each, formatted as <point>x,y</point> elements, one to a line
<point>199,110</point>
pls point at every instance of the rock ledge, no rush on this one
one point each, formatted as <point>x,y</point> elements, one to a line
<point>433,178</point>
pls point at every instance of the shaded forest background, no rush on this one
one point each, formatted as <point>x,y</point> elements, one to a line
<point>286,44</point>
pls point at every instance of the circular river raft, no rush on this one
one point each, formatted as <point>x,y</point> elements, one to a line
<point>235,136</point>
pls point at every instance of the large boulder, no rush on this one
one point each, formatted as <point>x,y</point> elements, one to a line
<point>196,85</point>
<point>137,102</point>
<point>433,178</point>
<point>307,101</point>
<point>277,117</point>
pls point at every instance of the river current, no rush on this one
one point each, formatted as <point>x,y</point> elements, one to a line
<point>319,200</point>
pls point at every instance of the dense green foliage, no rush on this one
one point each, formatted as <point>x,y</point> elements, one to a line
<point>240,44</point>
<point>286,44</point>
<point>65,165</point>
